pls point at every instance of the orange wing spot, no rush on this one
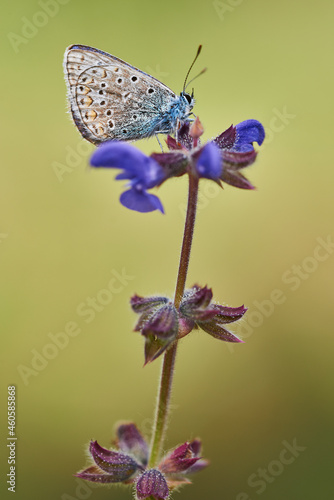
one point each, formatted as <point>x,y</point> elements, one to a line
<point>99,130</point>
<point>82,89</point>
<point>90,115</point>
<point>86,101</point>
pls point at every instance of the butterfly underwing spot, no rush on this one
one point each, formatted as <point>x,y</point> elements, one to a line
<point>108,112</point>
<point>86,101</point>
<point>150,90</point>
<point>119,81</point>
<point>99,130</point>
<point>134,79</point>
<point>86,79</point>
<point>102,103</point>
<point>82,89</point>
<point>90,115</point>
<point>111,124</point>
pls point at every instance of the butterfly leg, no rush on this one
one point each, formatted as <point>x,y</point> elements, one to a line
<point>156,135</point>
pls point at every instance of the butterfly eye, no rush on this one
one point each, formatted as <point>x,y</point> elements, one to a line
<point>188,98</point>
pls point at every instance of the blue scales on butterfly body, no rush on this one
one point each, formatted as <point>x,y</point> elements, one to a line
<point>112,100</point>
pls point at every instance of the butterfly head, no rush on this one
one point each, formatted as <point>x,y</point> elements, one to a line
<point>189,99</point>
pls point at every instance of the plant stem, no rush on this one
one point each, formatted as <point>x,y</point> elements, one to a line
<point>166,378</point>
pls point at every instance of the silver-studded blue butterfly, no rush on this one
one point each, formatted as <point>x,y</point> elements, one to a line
<point>112,100</point>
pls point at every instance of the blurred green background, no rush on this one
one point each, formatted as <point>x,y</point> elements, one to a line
<point>61,240</point>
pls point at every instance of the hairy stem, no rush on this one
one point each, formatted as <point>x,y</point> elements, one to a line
<point>166,378</point>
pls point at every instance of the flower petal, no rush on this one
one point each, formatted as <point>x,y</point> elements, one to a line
<point>119,466</point>
<point>118,154</point>
<point>197,297</point>
<point>179,460</point>
<point>163,322</point>
<point>186,325</point>
<point>226,140</point>
<point>141,304</point>
<point>184,137</point>
<point>198,466</point>
<point>131,441</point>
<point>172,143</point>
<point>225,314</point>
<point>152,483</point>
<point>236,179</point>
<point>155,346</point>
<point>209,163</point>
<point>248,131</point>
<point>96,475</point>
<point>237,159</point>
<point>218,332</point>
<point>140,201</point>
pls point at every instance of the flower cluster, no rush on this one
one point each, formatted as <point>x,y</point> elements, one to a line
<point>161,323</point>
<point>219,160</point>
<point>128,464</point>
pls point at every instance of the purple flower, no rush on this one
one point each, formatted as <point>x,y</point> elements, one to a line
<point>197,310</point>
<point>219,160</point>
<point>161,323</point>
<point>158,323</point>
<point>237,150</point>
<point>128,465</point>
<point>152,484</point>
<point>142,172</point>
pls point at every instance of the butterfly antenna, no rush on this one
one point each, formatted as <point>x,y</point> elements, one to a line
<point>192,64</point>
<point>199,74</point>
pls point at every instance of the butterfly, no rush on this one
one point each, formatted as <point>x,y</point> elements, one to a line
<point>112,100</point>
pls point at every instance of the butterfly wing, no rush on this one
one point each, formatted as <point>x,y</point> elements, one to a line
<point>111,99</point>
